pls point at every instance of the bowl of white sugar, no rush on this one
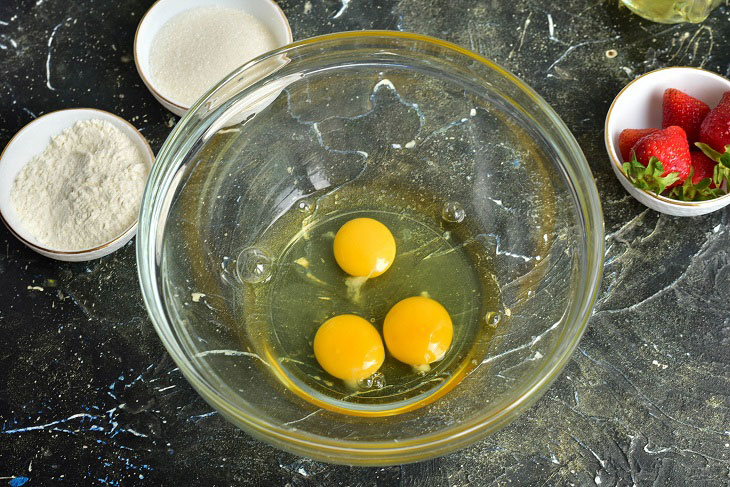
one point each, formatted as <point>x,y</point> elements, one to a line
<point>71,183</point>
<point>183,48</point>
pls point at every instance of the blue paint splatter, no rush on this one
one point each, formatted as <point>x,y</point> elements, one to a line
<point>106,480</point>
<point>18,481</point>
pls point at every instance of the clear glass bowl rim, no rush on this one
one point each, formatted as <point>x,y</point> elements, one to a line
<point>369,453</point>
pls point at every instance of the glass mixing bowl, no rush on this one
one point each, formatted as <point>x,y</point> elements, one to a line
<point>405,115</point>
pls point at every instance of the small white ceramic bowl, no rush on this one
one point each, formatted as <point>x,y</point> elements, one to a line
<point>163,10</point>
<point>639,105</point>
<point>32,140</point>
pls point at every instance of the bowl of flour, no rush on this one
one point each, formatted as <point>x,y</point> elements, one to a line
<point>71,183</point>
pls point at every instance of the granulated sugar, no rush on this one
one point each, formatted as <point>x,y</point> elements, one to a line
<point>198,47</point>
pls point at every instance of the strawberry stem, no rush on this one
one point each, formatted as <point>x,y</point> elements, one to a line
<point>650,178</point>
<point>722,170</point>
<point>695,192</point>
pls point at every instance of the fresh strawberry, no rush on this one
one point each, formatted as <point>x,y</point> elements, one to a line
<point>715,129</point>
<point>701,186</point>
<point>628,138</point>
<point>704,167</point>
<point>670,147</point>
<point>683,110</point>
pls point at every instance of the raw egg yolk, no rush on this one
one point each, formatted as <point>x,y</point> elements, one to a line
<point>418,331</point>
<point>349,348</point>
<point>364,247</point>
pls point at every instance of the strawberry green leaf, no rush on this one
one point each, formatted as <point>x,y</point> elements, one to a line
<point>722,170</point>
<point>720,174</point>
<point>695,192</point>
<point>723,158</point>
<point>709,151</point>
<point>703,184</point>
<point>649,178</point>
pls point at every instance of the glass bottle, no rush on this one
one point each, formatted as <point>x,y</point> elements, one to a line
<point>672,11</point>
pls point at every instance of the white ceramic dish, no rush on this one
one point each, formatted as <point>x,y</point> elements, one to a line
<point>33,139</point>
<point>163,10</point>
<point>639,105</point>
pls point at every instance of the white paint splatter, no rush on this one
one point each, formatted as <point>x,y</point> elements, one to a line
<point>551,28</point>
<point>516,256</point>
<point>656,362</point>
<point>576,46</point>
<point>497,202</point>
<point>302,419</point>
<point>232,353</point>
<point>384,82</point>
<point>657,451</point>
<point>135,433</point>
<point>531,343</point>
<point>345,4</point>
<point>35,288</point>
<point>48,59</point>
<point>44,426</point>
<point>522,36</point>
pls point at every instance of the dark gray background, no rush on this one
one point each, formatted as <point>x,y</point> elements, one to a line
<point>89,396</point>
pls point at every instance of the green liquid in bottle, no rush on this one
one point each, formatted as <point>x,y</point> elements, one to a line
<point>672,11</point>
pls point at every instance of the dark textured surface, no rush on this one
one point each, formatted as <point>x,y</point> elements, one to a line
<point>89,396</point>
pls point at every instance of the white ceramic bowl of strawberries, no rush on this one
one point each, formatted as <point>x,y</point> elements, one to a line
<point>642,104</point>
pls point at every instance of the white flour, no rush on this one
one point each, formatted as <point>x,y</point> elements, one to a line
<point>84,189</point>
